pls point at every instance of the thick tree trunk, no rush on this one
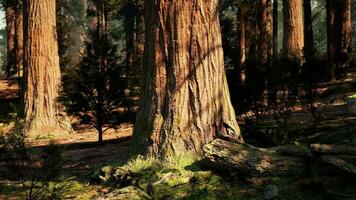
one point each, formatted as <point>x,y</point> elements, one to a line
<point>330,15</point>
<point>185,100</point>
<point>265,31</point>
<point>42,75</point>
<point>293,41</point>
<point>308,29</point>
<point>275,30</point>
<point>10,31</point>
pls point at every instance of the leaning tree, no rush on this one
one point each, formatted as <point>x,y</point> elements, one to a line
<point>42,113</point>
<point>185,101</point>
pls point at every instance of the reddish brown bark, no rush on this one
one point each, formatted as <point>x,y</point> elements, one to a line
<point>19,40</point>
<point>185,101</point>
<point>42,114</point>
<point>275,30</point>
<point>293,42</point>
<point>330,15</point>
<point>339,33</point>
<point>265,31</point>
<point>10,31</point>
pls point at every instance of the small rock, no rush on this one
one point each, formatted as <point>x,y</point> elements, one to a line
<point>271,192</point>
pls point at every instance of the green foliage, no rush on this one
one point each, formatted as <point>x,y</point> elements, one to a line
<point>55,190</point>
<point>34,169</point>
<point>93,90</point>
<point>173,178</point>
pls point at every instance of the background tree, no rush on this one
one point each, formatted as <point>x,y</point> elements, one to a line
<point>10,8</point>
<point>339,32</point>
<point>42,113</point>
<point>185,101</point>
<point>92,90</point>
<point>308,29</point>
<point>293,41</point>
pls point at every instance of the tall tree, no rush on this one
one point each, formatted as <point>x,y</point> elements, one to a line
<point>19,38</point>
<point>10,8</point>
<point>330,15</point>
<point>293,41</point>
<point>308,29</point>
<point>185,101</point>
<point>339,31</point>
<point>275,29</point>
<point>42,113</point>
<point>344,26</point>
<point>241,31</point>
<point>265,30</point>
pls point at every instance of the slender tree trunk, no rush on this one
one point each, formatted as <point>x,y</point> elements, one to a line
<point>330,14</point>
<point>265,31</point>
<point>139,35</point>
<point>241,31</point>
<point>129,25</point>
<point>344,14</point>
<point>10,30</point>
<point>42,114</point>
<point>19,41</point>
<point>275,29</point>
<point>253,32</point>
<point>185,100</point>
<point>308,30</point>
<point>293,42</point>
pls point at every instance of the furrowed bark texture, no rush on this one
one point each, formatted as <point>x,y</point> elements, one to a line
<point>344,14</point>
<point>10,34</point>
<point>265,31</point>
<point>19,41</point>
<point>254,161</point>
<point>278,161</point>
<point>42,112</point>
<point>293,29</point>
<point>185,100</point>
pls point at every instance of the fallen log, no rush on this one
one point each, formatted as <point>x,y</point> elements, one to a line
<point>332,149</point>
<point>254,161</point>
<point>339,164</point>
<point>276,161</point>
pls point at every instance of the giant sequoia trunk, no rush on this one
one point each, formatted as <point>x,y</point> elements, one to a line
<point>42,112</point>
<point>10,33</point>
<point>293,41</point>
<point>185,100</point>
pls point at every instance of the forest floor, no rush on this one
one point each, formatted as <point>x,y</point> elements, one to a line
<point>84,159</point>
